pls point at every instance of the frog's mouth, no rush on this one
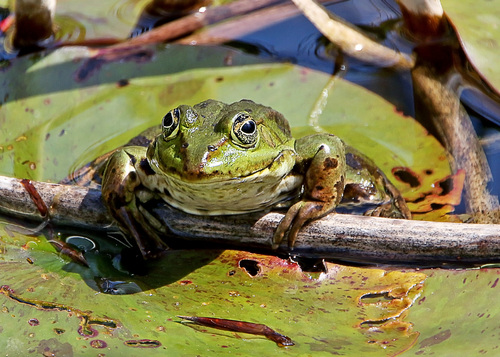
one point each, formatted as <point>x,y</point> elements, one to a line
<point>277,168</point>
<point>266,187</point>
<point>280,166</point>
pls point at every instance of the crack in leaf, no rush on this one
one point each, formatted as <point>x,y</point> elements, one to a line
<point>86,319</point>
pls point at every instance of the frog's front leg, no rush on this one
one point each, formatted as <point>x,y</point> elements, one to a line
<point>121,185</point>
<point>321,159</point>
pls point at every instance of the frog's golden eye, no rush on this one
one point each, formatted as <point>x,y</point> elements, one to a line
<point>244,131</point>
<point>170,123</point>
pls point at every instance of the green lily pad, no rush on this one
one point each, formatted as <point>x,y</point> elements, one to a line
<point>93,19</point>
<point>50,304</point>
<point>457,314</point>
<point>477,25</point>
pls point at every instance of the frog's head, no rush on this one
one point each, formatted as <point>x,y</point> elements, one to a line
<point>215,141</point>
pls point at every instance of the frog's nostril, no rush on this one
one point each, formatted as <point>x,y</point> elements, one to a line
<point>211,148</point>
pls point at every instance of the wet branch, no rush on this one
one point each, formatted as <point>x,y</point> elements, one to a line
<point>188,24</point>
<point>348,237</point>
<point>438,79</point>
<point>351,39</point>
<point>437,99</point>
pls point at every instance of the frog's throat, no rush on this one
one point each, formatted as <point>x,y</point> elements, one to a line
<point>258,191</point>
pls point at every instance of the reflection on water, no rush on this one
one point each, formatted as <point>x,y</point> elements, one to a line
<point>69,29</point>
<point>126,10</point>
<point>111,287</point>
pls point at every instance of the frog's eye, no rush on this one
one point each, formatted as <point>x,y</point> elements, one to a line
<point>170,123</point>
<point>244,131</point>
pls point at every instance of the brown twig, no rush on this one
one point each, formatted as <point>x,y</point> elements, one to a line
<point>187,25</point>
<point>242,327</point>
<point>35,197</point>
<point>350,39</point>
<point>238,27</point>
<point>437,100</point>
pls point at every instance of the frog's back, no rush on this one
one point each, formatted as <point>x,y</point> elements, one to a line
<point>146,137</point>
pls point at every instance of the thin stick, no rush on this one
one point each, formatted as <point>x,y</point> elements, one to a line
<point>187,25</point>
<point>350,39</point>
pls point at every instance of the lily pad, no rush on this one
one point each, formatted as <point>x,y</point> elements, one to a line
<point>457,314</point>
<point>52,304</point>
<point>49,304</point>
<point>93,19</point>
<point>477,25</point>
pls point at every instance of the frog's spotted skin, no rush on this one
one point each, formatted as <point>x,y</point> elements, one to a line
<point>220,159</point>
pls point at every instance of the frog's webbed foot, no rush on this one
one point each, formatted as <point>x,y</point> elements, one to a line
<point>395,208</point>
<point>295,218</point>
<point>121,187</point>
<point>145,235</point>
<point>390,210</point>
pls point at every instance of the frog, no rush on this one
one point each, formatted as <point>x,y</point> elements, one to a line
<point>214,158</point>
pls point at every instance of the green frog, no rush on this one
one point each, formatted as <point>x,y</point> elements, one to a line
<point>225,159</point>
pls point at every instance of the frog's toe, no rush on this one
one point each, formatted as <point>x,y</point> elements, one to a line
<point>284,225</point>
<point>296,217</point>
<point>390,210</point>
<point>308,210</point>
<point>148,241</point>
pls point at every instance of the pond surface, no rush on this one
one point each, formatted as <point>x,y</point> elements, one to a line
<point>69,110</point>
